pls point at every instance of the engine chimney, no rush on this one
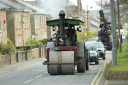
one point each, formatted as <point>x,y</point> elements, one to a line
<point>62,22</point>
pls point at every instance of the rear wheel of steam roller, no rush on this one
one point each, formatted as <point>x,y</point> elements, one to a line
<point>48,68</point>
<point>87,61</point>
<point>81,56</point>
<point>81,67</point>
<point>49,44</point>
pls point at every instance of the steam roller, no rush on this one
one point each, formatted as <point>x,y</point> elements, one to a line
<point>65,52</point>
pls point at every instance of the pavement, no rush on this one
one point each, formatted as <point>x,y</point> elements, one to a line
<point>20,65</point>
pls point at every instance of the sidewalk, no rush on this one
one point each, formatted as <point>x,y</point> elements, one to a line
<point>18,66</point>
<point>116,82</point>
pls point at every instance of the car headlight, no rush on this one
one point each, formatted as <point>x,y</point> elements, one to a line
<point>102,51</point>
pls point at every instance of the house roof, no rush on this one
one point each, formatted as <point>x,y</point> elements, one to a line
<point>21,6</point>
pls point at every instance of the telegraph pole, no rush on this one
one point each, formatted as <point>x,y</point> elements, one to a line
<point>114,59</point>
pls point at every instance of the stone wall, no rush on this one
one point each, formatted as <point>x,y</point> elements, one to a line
<point>22,56</point>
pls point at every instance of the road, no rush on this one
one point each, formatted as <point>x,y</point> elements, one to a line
<point>36,74</point>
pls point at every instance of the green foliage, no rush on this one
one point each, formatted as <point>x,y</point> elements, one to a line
<point>10,45</point>
<point>91,36</point>
<point>4,48</point>
<point>31,42</point>
<point>88,33</point>
<point>21,49</point>
<point>122,60</point>
<point>81,36</point>
<point>1,47</point>
<point>44,41</point>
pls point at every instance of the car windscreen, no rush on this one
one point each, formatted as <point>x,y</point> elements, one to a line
<point>91,47</point>
<point>99,45</point>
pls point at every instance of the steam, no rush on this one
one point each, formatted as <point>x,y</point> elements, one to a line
<point>54,7</point>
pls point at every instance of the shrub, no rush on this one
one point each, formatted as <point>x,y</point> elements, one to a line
<point>90,36</point>
<point>10,45</point>
<point>1,47</point>
<point>44,41</point>
<point>32,42</point>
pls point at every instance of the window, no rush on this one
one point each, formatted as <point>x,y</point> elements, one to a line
<point>20,40</point>
<point>19,21</point>
<point>4,39</point>
<point>16,21</point>
<point>3,20</point>
<point>17,40</point>
<point>35,22</point>
<point>38,19</point>
<point>0,38</point>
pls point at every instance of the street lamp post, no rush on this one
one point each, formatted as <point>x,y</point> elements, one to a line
<point>87,19</point>
<point>114,59</point>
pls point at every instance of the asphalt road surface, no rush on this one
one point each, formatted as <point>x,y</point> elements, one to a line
<point>36,74</point>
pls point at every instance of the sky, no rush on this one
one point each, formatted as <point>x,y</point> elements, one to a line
<point>91,4</point>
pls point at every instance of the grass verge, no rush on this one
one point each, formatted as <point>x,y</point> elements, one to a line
<point>120,71</point>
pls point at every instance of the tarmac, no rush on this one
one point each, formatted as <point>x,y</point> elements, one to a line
<point>17,66</point>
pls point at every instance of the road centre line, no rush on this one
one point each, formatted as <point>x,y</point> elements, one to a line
<point>38,76</point>
<point>95,77</point>
<point>97,83</point>
<point>28,81</point>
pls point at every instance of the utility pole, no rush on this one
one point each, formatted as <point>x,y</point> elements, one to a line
<point>87,17</point>
<point>119,25</point>
<point>114,60</point>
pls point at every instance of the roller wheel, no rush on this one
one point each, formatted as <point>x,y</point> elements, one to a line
<point>87,65</point>
<point>82,66</point>
<point>48,68</point>
<point>103,57</point>
<point>97,61</point>
<point>87,62</point>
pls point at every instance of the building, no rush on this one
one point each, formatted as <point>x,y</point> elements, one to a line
<point>94,24</point>
<point>38,26</point>
<point>3,27</point>
<point>19,23</point>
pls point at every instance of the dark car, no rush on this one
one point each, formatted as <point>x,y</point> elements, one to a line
<point>101,49</point>
<point>94,55</point>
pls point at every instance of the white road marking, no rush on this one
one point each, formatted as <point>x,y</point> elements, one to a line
<point>38,76</point>
<point>28,81</point>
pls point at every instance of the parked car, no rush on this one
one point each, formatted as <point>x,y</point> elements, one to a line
<point>94,55</point>
<point>92,39</point>
<point>101,49</point>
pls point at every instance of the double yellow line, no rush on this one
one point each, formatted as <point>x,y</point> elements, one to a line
<point>100,73</point>
<point>108,60</point>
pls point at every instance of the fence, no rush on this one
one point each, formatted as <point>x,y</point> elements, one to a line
<point>19,56</point>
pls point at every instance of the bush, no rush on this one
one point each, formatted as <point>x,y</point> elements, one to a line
<point>32,42</point>
<point>44,41</point>
<point>10,45</point>
<point>91,36</point>
<point>1,47</point>
<point>4,48</point>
